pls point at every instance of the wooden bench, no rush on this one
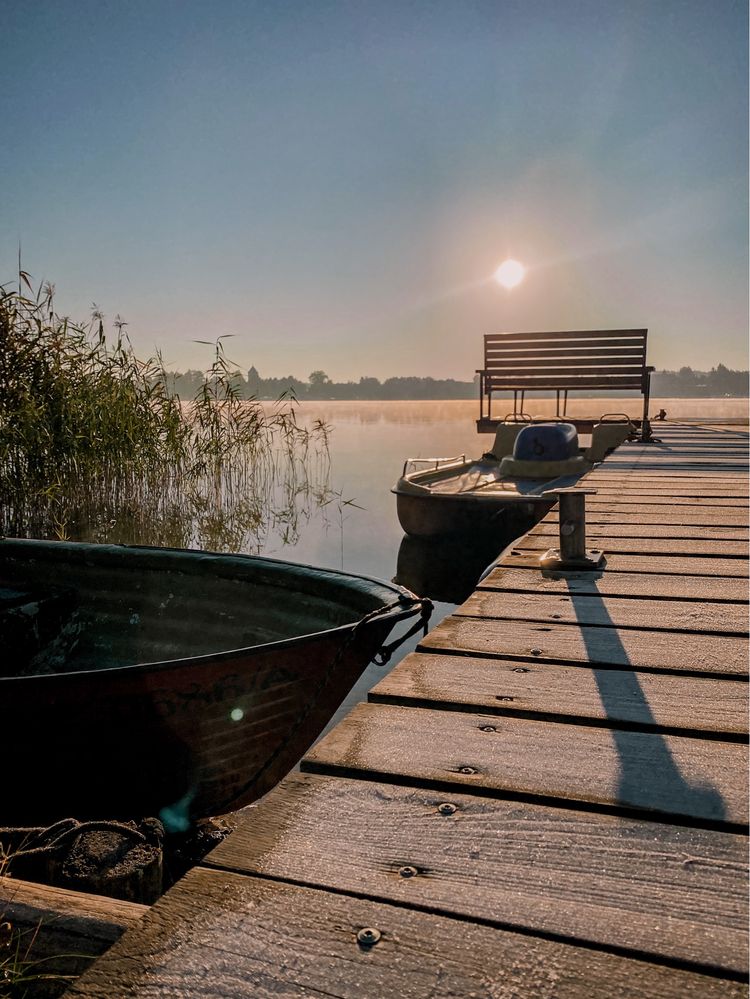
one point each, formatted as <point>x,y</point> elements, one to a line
<point>564,361</point>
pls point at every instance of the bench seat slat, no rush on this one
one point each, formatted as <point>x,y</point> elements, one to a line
<point>564,382</point>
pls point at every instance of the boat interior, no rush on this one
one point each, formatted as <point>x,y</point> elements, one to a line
<point>62,610</point>
<point>502,471</point>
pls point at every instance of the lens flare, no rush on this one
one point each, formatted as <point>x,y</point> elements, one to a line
<point>510,273</point>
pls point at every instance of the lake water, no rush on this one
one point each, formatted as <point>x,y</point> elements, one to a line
<point>368,445</point>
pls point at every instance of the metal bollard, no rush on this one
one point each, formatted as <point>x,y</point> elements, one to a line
<point>572,553</point>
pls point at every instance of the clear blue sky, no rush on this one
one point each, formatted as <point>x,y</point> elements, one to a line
<point>334,182</point>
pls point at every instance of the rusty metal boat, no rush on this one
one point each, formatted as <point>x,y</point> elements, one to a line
<point>140,681</point>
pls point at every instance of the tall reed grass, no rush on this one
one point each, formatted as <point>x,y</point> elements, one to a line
<point>94,446</point>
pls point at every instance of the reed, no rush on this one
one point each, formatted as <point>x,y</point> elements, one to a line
<point>93,444</point>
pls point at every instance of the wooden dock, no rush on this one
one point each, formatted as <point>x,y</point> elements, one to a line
<point>548,799</point>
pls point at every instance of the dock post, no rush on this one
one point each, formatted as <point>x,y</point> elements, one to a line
<point>572,553</point>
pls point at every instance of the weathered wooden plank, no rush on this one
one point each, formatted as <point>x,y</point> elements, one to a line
<point>699,485</point>
<point>715,508</point>
<point>569,693</point>
<point>701,457</point>
<point>657,484</point>
<point>502,382</point>
<point>617,584</point>
<point>688,547</point>
<point>647,563</point>
<point>687,469</point>
<point>697,493</point>
<point>715,429</point>
<point>221,934</point>
<point>688,449</point>
<point>706,461</point>
<point>613,499</point>
<point>506,365</point>
<point>549,354</point>
<point>636,529</point>
<point>62,930</point>
<point>711,461</point>
<point>589,337</point>
<point>626,648</point>
<point>667,776</point>
<point>679,444</point>
<point>664,438</point>
<point>639,472</point>
<point>598,609</point>
<point>635,471</point>
<point>511,863</point>
<point>667,514</point>
<point>664,445</point>
<point>732,430</point>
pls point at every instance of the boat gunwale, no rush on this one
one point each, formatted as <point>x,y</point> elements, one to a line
<point>388,612</point>
<point>476,496</point>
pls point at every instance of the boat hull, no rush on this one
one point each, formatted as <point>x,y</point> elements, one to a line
<point>182,738</point>
<point>200,739</point>
<point>444,515</point>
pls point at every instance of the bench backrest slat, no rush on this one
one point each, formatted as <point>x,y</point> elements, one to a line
<point>587,335</point>
<point>564,353</point>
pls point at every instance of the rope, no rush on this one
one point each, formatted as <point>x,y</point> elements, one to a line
<point>60,833</point>
<point>383,656</point>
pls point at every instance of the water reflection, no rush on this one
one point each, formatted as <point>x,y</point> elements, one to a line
<point>446,569</point>
<point>264,501</point>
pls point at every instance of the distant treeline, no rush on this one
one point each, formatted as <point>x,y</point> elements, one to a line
<point>685,383</point>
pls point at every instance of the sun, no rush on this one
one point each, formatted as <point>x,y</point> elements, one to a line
<point>510,273</point>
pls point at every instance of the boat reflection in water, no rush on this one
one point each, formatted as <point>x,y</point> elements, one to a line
<point>447,569</point>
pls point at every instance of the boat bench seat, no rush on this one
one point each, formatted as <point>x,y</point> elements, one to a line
<point>571,360</point>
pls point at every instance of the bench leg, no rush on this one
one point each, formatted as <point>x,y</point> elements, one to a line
<point>645,424</point>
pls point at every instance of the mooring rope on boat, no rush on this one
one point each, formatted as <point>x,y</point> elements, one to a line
<point>383,655</point>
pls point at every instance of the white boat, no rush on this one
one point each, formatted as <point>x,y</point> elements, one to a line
<point>506,486</point>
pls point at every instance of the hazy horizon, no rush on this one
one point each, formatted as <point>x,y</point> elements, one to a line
<point>335,183</point>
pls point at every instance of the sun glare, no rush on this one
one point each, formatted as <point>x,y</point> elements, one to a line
<point>510,273</point>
